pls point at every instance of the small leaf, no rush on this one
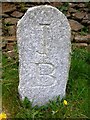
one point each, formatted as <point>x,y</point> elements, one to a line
<point>27,103</point>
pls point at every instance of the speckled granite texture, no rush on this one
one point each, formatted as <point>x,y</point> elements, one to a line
<point>43,36</point>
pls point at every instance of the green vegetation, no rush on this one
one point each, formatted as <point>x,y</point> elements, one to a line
<point>6,27</point>
<point>84,31</point>
<point>64,8</point>
<point>77,91</point>
<point>22,7</point>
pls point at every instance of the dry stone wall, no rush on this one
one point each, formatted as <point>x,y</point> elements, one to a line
<point>77,14</point>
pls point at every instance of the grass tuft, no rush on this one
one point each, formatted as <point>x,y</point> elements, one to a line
<point>76,92</point>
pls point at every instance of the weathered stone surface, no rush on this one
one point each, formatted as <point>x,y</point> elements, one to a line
<point>3,44</point>
<point>72,5</point>
<point>75,25</point>
<point>72,38</point>
<point>9,38</point>
<point>44,45</point>
<point>17,14</point>
<point>87,17</point>
<point>4,15</point>
<point>81,5</point>
<point>80,45</point>
<point>11,20</point>
<point>68,15</point>
<point>72,10</point>
<point>80,38</point>
<point>86,9</point>
<point>79,15</point>
<point>86,22</point>
<point>12,30</point>
<point>7,7</point>
<point>56,4</point>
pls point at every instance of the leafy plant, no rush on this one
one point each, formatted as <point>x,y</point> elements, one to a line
<point>22,7</point>
<point>84,30</point>
<point>64,7</point>
<point>26,103</point>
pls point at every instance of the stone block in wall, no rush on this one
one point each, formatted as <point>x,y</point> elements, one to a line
<point>75,25</point>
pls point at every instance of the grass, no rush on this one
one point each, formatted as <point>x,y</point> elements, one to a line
<point>77,91</point>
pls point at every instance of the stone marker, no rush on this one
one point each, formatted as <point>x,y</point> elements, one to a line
<point>43,36</point>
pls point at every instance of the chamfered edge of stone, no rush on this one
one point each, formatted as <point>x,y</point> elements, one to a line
<point>39,7</point>
<point>43,6</point>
